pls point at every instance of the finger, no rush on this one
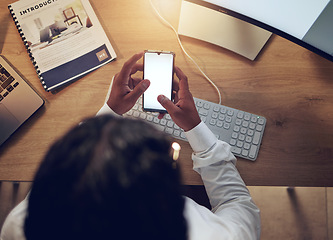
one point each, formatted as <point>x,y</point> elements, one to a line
<point>175,84</point>
<point>139,90</point>
<point>183,82</point>
<point>136,81</point>
<point>166,103</point>
<point>128,65</point>
<point>175,96</point>
<point>160,115</point>
<point>137,67</point>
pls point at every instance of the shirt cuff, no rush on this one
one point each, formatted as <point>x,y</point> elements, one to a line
<point>200,137</point>
<point>106,110</point>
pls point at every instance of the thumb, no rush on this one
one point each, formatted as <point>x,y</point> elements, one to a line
<point>166,103</point>
<point>140,89</point>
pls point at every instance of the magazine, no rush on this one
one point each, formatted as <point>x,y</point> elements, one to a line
<point>64,39</point>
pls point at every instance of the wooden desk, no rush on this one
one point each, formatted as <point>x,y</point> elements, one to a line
<point>290,86</point>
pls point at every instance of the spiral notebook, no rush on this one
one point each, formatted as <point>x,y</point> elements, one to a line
<point>64,39</point>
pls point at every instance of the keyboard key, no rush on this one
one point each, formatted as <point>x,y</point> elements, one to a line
<point>240,114</point>
<point>239,144</point>
<point>216,108</point>
<point>247,116</point>
<point>4,71</point>
<point>156,120</point>
<point>254,119</point>
<point>170,124</point>
<point>143,115</point>
<point>247,146</point>
<point>250,132</point>
<point>182,135</point>
<point>206,106</point>
<point>259,128</point>
<point>261,121</point>
<point>199,103</point>
<point>241,137</point>
<point>256,138</point>
<point>6,83</point>
<point>3,78</point>
<point>136,114</point>
<point>10,88</point>
<point>169,130</point>
<point>253,151</point>
<point>163,122</point>
<point>245,153</point>
<point>221,117</point>
<point>212,122</point>
<point>236,150</point>
<point>245,124</point>
<point>203,112</point>
<point>214,115</point>
<point>150,118</point>
<point>177,133</point>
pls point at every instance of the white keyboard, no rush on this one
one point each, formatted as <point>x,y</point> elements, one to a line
<point>242,130</point>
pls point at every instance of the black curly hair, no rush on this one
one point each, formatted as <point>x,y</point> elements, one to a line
<point>107,178</point>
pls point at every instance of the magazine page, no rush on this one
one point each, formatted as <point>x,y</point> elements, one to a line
<point>64,37</point>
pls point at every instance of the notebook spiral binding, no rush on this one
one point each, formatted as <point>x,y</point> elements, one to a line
<point>20,31</point>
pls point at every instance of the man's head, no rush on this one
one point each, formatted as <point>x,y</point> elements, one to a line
<point>108,178</point>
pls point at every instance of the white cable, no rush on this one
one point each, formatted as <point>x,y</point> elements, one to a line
<point>181,45</point>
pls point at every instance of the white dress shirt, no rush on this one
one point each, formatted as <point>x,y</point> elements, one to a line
<point>233,214</point>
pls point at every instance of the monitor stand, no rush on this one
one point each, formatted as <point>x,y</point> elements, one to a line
<point>213,26</point>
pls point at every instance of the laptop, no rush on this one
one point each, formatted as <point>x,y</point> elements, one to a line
<point>18,101</point>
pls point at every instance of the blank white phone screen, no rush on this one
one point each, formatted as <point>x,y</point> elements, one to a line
<point>158,69</point>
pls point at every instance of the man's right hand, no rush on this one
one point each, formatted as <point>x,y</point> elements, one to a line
<point>183,111</point>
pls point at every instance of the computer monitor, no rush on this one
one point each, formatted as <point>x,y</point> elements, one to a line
<point>304,22</point>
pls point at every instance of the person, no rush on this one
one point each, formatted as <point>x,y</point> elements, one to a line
<point>114,178</point>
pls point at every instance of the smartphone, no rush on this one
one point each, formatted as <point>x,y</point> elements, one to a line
<point>158,69</point>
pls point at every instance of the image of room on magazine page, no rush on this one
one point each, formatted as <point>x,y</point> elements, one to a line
<point>64,37</point>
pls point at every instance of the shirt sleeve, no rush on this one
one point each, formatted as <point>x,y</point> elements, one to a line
<point>228,195</point>
<point>13,225</point>
<point>105,109</point>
